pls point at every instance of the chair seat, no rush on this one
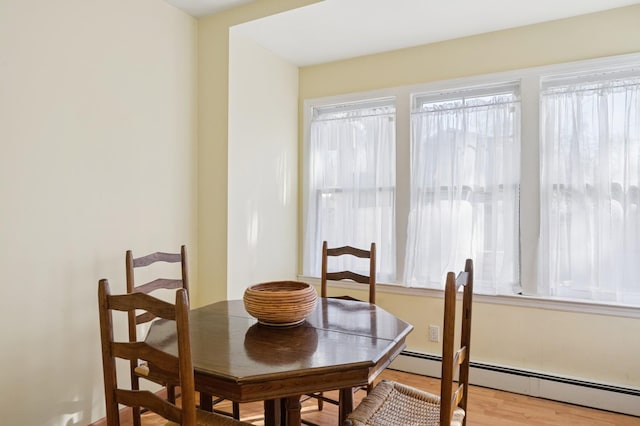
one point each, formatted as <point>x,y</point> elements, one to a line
<point>392,403</point>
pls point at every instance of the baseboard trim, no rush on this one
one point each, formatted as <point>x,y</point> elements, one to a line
<point>620,399</point>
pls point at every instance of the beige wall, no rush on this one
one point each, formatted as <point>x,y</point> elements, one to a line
<point>213,136</point>
<point>263,167</point>
<point>98,155</point>
<point>594,347</point>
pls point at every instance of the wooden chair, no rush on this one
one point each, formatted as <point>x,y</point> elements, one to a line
<point>392,403</point>
<point>186,414</point>
<point>138,369</point>
<point>370,280</point>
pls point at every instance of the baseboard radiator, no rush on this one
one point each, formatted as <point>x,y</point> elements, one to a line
<point>602,396</point>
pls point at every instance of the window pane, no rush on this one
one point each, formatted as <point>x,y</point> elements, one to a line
<point>590,221</point>
<point>465,157</point>
<point>351,184</point>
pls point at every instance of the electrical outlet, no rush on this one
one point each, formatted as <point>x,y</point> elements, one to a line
<point>434,333</point>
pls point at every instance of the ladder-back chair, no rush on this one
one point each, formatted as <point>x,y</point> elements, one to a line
<point>184,414</point>
<point>140,370</point>
<point>136,319</point>
<point>369,280</point>
<point>393,403</point>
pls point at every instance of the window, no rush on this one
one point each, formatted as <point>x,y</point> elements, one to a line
<point>351,183</point>
<point>534,173</point>
<point>590,187</point>
<point>465,171</point>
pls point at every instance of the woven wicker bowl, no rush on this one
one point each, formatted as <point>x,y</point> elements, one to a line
<point>280,303</point>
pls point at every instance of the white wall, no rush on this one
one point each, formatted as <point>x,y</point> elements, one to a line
<point>97,155</point>
<point>263,152</point>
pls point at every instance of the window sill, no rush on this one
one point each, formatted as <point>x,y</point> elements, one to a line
<point>556,304</point>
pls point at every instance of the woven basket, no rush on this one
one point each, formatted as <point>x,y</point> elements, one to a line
<point>280,303</point>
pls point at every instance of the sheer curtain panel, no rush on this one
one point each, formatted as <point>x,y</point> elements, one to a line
<point>351,184</point>
<point>465,171</point>
<point>590,188</point>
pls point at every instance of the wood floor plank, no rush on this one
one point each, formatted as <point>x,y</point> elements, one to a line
<point>487,407</point>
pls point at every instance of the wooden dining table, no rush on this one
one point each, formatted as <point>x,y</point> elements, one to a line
<point>341,345</point>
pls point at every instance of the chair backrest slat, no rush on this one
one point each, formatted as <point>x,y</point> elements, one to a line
<point>348,275</point>
<point>144,318</point>
<point>156,257</point>
<point>141,350</point>
<point>159,283</point>
<point>461,279</point>
<point>457,396</point>
<point>460,356</point>
<point>134,301</point>
<point>353,251</point>
<point>150,401</point>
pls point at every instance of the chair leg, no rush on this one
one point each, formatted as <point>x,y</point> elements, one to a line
<point>135,385</point>
<point>206,402</point>
<point>171,394</point>
<point>346,404</point>
<point>320,402</point>
<point>236,410</point>
<point>136,416</point>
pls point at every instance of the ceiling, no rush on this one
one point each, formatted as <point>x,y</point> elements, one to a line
<point>199,8</point>
<point>338,29</point>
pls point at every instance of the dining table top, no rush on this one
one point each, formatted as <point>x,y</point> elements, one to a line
<point>342,344</point>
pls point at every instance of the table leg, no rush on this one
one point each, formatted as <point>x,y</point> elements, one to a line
<point>346,403</point>
<point>293,407</point>
<point>283,412</point>
<point>272,412</point>
<point>236,410</point>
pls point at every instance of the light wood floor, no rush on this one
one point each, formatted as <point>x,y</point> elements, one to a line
<point>487,407</point>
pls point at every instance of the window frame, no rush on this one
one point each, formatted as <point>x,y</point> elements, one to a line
<point>469,98</point>
<point>312,105</point>
<point>531,80</point>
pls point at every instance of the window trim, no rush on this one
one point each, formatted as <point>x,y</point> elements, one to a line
<point>517,300</point>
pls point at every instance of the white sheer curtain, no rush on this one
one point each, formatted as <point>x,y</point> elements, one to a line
<point>590,190</point>
<point>465,170</point>
<point>351,185</point>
